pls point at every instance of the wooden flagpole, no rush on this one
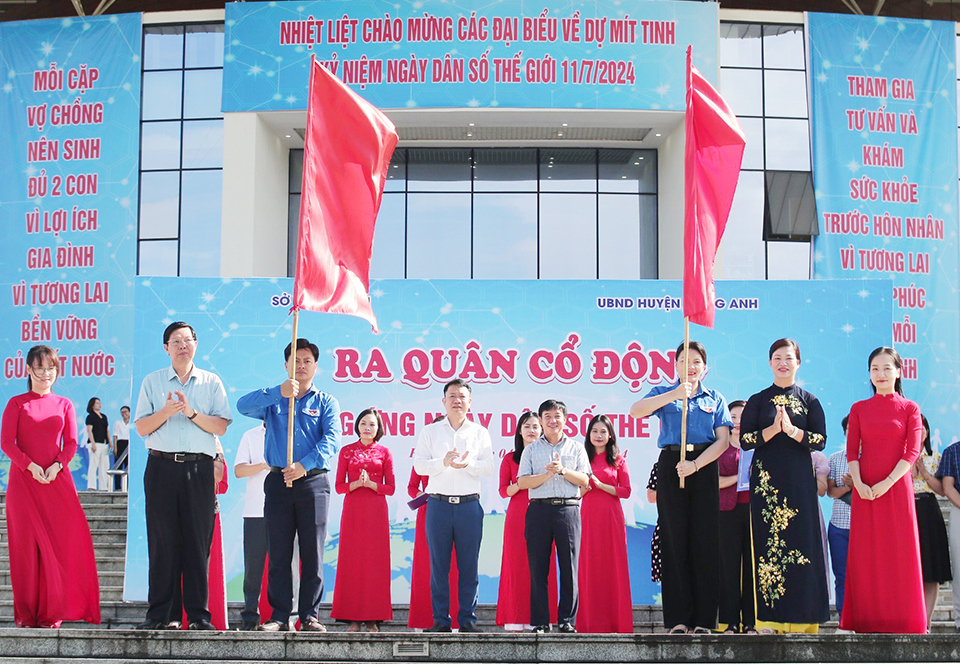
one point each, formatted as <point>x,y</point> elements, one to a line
<point>683,417</point>
<point>293,398</point>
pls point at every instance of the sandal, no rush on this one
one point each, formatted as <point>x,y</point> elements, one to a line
<point>750,630</point>
<point>730,630</point>
<point>678,629</point>
<point>701,630</point>
<point>766,631</point>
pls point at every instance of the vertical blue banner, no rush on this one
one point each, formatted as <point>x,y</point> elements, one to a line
<point>628,54</point>
<point>884,114</point>
<point>70,113</point>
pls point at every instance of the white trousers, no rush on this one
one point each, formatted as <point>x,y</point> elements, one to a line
<point>97,477</point>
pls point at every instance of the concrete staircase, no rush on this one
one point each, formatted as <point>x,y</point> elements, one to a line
<point>107,512</point>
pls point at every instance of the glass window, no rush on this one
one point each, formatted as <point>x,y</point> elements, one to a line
<point>203,144</point>
<point>505,236</point>
<point>438,170</point>
<point>160,146</point>
<point>389,245</point>
<point>163,47</point>
<point>753,152</point>
<point>788,145</point>
<point>629,171</point>
<point>204,46</point>
<point>397,173</point>
<point>649,244</point>
<point>740,45</point>
<point>201,205</point>
<point>568,236</point>
<point>619,237</point>
<point>742,248</point>
<point>293,233</point>
<point>783,47</point>
<point>201,93</point>
<point>505,170</point>
<point>438,236</point>
<point>742,89</point>
<point>785,94</point>
<point>158,259</point>
<point>296,171</point>
<point>159,205</point>
<point>568,170</point>
<point>162,92</point>
<point>788,260</point>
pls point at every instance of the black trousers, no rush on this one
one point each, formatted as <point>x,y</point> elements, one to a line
<point>299,510</point>
<point>736,569</point>
<point>118,479</point>
<point>179,502</point>
<point>546,525</point>
<point>689,542</point>
<point>254,559</point>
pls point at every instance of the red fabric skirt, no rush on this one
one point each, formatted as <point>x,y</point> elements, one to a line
<point>513,600</point>
<point>604,578</point>
<point>362,589</point>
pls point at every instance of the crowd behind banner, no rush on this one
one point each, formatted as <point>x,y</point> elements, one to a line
<point>741,545</point>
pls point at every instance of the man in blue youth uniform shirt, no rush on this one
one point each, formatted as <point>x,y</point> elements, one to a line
<point>301,509</point>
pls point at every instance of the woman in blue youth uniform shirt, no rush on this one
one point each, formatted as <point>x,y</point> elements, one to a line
<point>689,531</point>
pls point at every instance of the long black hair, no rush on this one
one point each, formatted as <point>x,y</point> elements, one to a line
<point>611,450</point>
<point>926,436</point>
<point>897,362</point>
<point>38,354</point>
<point>518,437</point>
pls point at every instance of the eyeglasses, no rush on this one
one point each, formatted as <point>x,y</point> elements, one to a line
<point>44,371</point>
<point>183,341</point>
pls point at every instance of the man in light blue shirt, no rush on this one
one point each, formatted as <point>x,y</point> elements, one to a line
<point>301,508</point>
<point>180,412</point>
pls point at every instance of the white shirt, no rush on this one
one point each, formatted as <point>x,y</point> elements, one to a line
<point>439,438</point>
<point>121,430</point>
<point>251,451</point>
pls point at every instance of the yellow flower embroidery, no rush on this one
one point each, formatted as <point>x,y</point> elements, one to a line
<point>749,438</point>
<point>796,406</point>
<point>772,563</point>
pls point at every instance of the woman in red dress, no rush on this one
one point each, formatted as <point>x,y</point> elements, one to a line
<point>884,586</point>
<point>365,475</point>
<point>421,607</point>
<point>52,567</point>
<point>604,577</point>
<point>513,600</point>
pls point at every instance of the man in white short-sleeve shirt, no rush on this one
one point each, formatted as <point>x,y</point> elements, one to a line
<point>250,464</point>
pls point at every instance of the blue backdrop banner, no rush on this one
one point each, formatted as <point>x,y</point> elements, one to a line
<point>597,345</point>
<point>625,54</point>
<point>885,176</point>
<point>70,142</point>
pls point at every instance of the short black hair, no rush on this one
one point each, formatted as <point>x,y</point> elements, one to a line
<point>173,327</point>
<point>552,404</point>
<point>457,382</point>
<point>784,343</point>
<point>302,343</point>
<point>363,413</point>
<point>90,403</point>
<point>123,408</point>
<point>694,346</point>
<point>739,403</point>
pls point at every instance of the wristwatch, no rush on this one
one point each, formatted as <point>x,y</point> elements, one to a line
<point>195,413</point>
<point>562,471</point>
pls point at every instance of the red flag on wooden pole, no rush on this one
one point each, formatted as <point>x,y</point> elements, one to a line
<point>714,151</point>
<point>346,155</point>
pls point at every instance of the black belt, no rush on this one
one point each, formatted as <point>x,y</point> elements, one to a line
<point>180,457</point>
<point>556,501</point>
<point>690,447</point>
<point>456,500</point>
<point>310,473</point>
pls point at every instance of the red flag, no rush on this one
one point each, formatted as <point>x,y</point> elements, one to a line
<point>715,144</point>
<point>346,155</point>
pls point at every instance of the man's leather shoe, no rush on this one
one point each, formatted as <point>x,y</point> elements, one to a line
<point>173,624</point>
<point>438,627</point>
<point>470,628</point>
<point>567,628</point>
<point>202,625</point>
<point>248,626</point>
<point>152,624</point>
<point>541,629</point>
<point>312,625</point>
<point>274,626</point>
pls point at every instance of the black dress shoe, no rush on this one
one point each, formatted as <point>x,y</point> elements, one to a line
<point>470,627</point>
<point>274,626</point>
<point>567,628</point>
<point>438,627</point>
<point>152,624</point>
<point>202,625</point>
<point>541,629</point>
<point>248,626</point>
